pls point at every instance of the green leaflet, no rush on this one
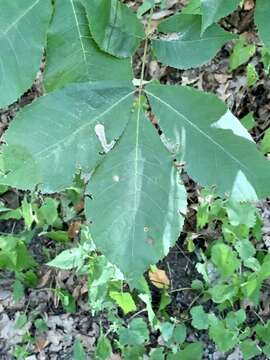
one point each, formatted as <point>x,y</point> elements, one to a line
<point>138,200</point>
<point>265,143</point>
<point>224,259</point>
<point>213,156</point>
<point>157,354</point>
<point>242,52</point>
<point>252,75</point>
<point>23,26</point>
<point>69,259</point>
<point>249,349</point>
<point>224,338</point>
<point>214,10</point>
<point>262,14</point>
<point>136,333</point>
<point>114,27</point>
<point>14,255</point>
<point>192,351</point>
<point>72,54</point>
<point>192,7</point>
<point>103,349</point>
<point>179,23</point>
<point>124,300</point>
<point>102,274</point>
<point>58,134</point>
<point>78,351</point>
<point>248,121</point>
<point>241,214</point>
<point>199,318</point>
<point>190,49</point>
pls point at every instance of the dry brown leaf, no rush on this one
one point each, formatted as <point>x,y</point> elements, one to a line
<point>74,229</point>
<point>154,26</point>
<point>84,289</point>
<point>79,207</point>
<point>76,292</point>
<point>41,343</point>
<point>44,279</point>
<point>249,5</point>
<point>159,279</point>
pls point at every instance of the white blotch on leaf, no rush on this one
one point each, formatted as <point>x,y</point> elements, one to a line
<point>115,178</point>
<point>100,132</point>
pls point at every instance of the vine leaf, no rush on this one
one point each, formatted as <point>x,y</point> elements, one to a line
<point>214,155</point>
<point>137,200</point>
<point>214,10</point>
<point>57,135</point>
<point>262,21</point>
<point>114,27</point>
<point>72,54</point>
<point>23,26</point>
<point>189,49</point>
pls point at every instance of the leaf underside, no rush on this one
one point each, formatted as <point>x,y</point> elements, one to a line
<point>23,26</point>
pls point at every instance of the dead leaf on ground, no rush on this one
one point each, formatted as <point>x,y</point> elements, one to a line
<point>249,5</point>
<point>159,279</point>
<point>160,15</point>
<point>44,279</point>
<point>88,341</point>
<point>41,343</point>
<point>74,229</point>
<point>80,206</point>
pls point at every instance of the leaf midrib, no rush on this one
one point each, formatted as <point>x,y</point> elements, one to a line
<point>19,18</point>
<point>135,205</point>
<point>84,51</point>
<point>111,29</point>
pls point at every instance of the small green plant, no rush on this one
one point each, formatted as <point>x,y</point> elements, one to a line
<point>232,267</point>
<point>241,54</point>
<point>233,271</point>
<point>78,351</point>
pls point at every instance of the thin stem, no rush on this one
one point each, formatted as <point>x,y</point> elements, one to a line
<point>148,27</point>
<point>194,300</point>
<point>138,119</point>
<point>137,314</point>
<point>259,317</point>
<point>180,289</point>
